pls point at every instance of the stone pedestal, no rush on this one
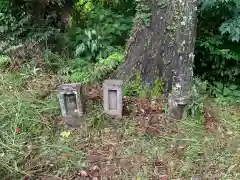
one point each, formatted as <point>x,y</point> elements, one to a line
<point>71,101</point>
<point>112,97</point>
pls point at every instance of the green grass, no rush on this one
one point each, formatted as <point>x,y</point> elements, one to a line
<point>34,149</point>
<point>180,149</point>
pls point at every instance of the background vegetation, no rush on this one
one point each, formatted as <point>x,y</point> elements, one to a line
<point>217,47</point>
<point>80,33</point>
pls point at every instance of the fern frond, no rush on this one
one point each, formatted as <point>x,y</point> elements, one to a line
<point>231,28</point>
<point>212,3</point>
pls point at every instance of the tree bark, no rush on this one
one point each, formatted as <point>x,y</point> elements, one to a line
<point>165,50</point>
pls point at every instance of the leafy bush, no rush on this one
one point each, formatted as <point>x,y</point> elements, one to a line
<point>96,72</point>
<point>100,31</point>
<point>29,20</point>
<point>226,93</point>
<point>217,45</point>
<point>98,28</point>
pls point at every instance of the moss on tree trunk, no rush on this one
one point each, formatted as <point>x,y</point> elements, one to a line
<point>164,48</point>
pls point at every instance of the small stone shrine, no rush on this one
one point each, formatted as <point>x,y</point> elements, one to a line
<point>112,97</point>
<point>71,98</point>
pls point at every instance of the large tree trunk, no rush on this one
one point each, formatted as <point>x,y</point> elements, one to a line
<point>165,49</point>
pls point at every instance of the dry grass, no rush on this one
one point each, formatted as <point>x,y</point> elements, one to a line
<point>143,145</point>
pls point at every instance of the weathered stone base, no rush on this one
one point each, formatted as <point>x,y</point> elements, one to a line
<point>177,108</point>
<point>71,98</point>
<point>112,97</point>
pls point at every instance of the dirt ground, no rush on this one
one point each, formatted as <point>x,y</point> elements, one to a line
<point>144,144</point>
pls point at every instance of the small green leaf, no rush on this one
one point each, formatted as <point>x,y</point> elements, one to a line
<point>226,91</point>
<point>65,134</point>
<point>233,87</point>
<point>4,60</point>
<point>219,85</point>
<point>236,93</point>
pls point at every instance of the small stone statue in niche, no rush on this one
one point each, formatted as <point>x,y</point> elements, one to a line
<point>70,98</point>
<point>71,105</point>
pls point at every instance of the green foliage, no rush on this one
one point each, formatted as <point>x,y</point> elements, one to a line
<point>196,108</point>
<point>143,15</point>
<point>208,4</point>
<point>94,38</point>
<point>95,30</point>
<point>217,46</point>
<point>29,20</point>
<point>157,89</point>
<point>4,60</point>
<point>217,59</point>
<point>88,46</point>
<point>11,25</point>
<point>225,94</point>
<point>231,28</point>
<point>103,33</point>
<point>97,119</point>
<point>96,72</point>
<point>7,21</point>
<point>135,87</point>
<point>57,63</point>
<point>34,145</point>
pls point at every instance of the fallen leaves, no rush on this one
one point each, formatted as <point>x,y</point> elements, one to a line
<point>104,153</point>
<point>67,156</point>
<point>95,168</point>
<point>83,174</point>
<point>143,106</point>
<point>92,93</point>
<point>163,177</point>
<point>210,122</point>
<point>92,174</point>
